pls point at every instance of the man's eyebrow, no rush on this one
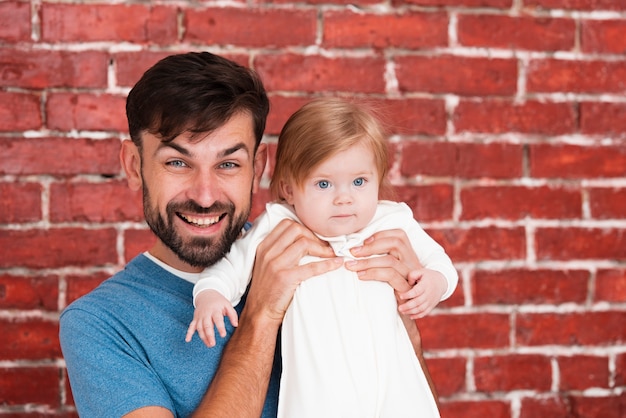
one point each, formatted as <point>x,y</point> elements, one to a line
<point>170,144</point>
<point>234,149</point>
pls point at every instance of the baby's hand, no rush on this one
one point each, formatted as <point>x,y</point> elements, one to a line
<point>211,307</point>
<point>428,286</point>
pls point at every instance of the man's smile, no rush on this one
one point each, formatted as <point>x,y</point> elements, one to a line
<point>201,221</point>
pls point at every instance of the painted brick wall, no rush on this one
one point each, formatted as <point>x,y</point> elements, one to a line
<point>509,142</point>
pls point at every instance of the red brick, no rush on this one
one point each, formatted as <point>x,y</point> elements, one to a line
<point>545,407</point>
<point>136,241</point>
<point>19,111</point>
<point>457,3</point>
<point>115,22</point>
<point>96,112</point>
<point>29,385</point>
<point>577,161</point>
<point>448,374</point>
<point>580,243</point>
<point>577,329</point>
<point>603,118</point>
<point>598,406</point>
<point>466,76</point>
<point>475,409</point>
<point>29,339</point>
<point>607,203</point>
<point>519,202</point>
<point>112,201</point>
<point>259,200</point>
<point>57,247</point>
<point>516,32</point>
<point>321,74</point>
<point>461,160</point>
<point>433,202</point>
<point>251,27</point>
<point>44,69</point>
<point>610,286</point>
<point>580,372</point>
<point>20,202</point>
<point>512,372</point>
<point>78,286</point>
<point>551,75</point>
<point>15,22</point>
<point>603,36</point>
<point>348,29</point>
<point>501,116</point>
<point>620,369</point>
<point>471,330</point>
<point>51,156</point>
<point>520,286</point>
<point>482,243</point>
<point>591,5</point>
<point>408,116</point>
<point>29,292</point>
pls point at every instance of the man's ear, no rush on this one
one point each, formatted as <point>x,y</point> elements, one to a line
<point>260,160</point>
<point>130,159</point>
<point>287,191</point>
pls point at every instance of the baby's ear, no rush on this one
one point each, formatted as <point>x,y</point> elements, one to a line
<point>287,191</point>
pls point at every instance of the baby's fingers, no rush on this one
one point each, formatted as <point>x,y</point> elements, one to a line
<point>231,313</point>
<point>207,333</point>
<point>190,331</point>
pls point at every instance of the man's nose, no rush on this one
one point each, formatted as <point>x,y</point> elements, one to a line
<point>204,189</point>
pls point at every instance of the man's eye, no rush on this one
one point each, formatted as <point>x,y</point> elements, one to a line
<point>323,184</point>
<point>359,182</point>
<point>176,163</point>
<point>228,165</point>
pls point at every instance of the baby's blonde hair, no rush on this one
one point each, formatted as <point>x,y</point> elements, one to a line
<point>320,129</point>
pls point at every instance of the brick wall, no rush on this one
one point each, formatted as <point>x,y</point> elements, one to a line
<point>509,142</point>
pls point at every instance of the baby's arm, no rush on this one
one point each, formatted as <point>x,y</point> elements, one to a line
<point>428,287</point>
<point>211,307</point>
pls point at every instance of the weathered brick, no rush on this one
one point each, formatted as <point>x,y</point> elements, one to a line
<point>516,32</point>
<point>577,161</point>
<point>570,243</point>
<point>571,329</point>
<point>553,75</point>
<point>78,286</point>
<point>610,285</point>
<point>607,202</point>
<point>466,76</point>
<point>29,292</point>
<point>501,116</point>
<point>95,112</point>
<point>448,374</point>
<point>251,27</point>
<point>15,23</point>
<point>603,118</point>
<point>497,160</point>
<point>475,409</point>
<point>137,241</point>
<point>482,243</point>
<point>603,36</point>
<point>580,372</point>
<point>573,405</point>
<point>480,330</point>
<point>51,156</point>
<point>44,69</point>
<point>29,339</point>
<point>20,202</point>
<point>112,201</point>
<point>29,385</point>
<point>60,247</point>
<point>433,202</point>
<point>322,74</point>
<point>576,5</point>
<point>19,111</point>
<point>512,372</point>
<point>524,286</point>
<point>108,22</point>
<point>349,29</point>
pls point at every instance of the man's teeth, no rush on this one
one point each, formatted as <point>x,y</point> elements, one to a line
<point>204,221</point>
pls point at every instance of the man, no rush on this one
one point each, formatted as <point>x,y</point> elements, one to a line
<point>196,121</point>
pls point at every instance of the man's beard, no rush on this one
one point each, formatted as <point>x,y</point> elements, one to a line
<point>197,251</point>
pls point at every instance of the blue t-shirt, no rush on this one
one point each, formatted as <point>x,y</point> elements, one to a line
<point>124,346</point>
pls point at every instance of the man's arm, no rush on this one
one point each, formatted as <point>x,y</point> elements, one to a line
<point>241,382</point>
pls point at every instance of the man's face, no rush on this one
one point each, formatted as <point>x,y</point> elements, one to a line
<point>197,192</point>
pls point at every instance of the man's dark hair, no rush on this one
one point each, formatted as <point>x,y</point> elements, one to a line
<point>194,92</point>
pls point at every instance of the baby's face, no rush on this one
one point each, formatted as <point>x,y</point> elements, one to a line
<point>340,195</point>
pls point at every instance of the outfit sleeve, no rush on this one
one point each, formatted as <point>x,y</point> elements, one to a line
<point>107,379</point>
<point>430,253</point>
<point>230,276</point>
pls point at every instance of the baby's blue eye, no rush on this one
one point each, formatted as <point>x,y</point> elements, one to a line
<point>323,184</point>
<point>359,182</point>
